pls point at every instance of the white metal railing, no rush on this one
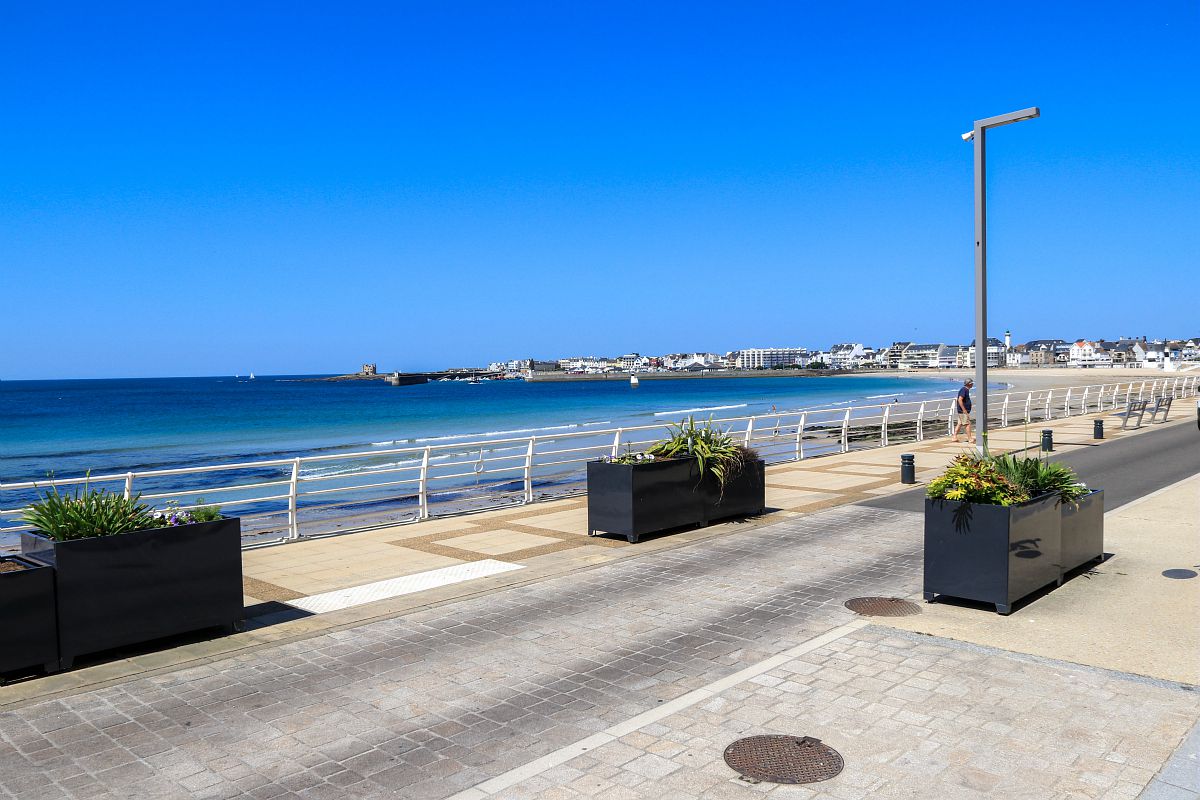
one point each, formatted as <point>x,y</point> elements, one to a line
<point>286,499</point>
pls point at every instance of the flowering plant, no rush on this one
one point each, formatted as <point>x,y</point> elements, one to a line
<point>171,516</point>
<point>628,458</point>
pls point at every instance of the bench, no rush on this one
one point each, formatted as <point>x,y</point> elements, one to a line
<point>1162,404</point>
<point>1138,408</point>
<point>1132,408</point>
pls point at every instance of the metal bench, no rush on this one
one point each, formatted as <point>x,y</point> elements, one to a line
<point>1134,408</point>
<point>1163,404</point>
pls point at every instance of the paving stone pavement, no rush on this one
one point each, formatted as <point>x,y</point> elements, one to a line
<point>438,700</point>
<point>430,703</point>
<point>913,716</point>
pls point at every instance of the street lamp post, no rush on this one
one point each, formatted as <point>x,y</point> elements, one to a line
<point>979,136</point>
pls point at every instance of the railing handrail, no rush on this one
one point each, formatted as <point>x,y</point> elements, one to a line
<point>517,454</point>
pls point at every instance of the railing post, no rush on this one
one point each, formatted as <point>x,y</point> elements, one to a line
<point>1028,404</point>
<point>1086,389</point>
<point>883,431</point>
<point>749,431</point>
<point>950,412</point>
<point>423,486</point>
<point>1067,404</point>
<point>1142,390</point>
<point>128,485</point>
<point>616,448</point>
<point>1004,412</point>
<point>293,501</point>
<point>529,470</point>
<point>800,435</point>
<point>1049,395</point>
<point>921,422</point>
<point>846,432</point>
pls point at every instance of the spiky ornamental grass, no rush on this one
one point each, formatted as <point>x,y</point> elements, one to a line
<point>1005,480</point>
<point>88,513</point>
<point>715,451</point>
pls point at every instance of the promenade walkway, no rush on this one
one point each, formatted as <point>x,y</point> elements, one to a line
<point>628,678</point>
<point>553,534</point>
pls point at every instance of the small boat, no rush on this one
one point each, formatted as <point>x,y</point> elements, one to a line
<point>251,376</point>
<point>475,380</point>
<point>633,380</point>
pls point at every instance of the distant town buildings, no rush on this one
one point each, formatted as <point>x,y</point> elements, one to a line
<point>1166,354</point>
<point>770,357</point>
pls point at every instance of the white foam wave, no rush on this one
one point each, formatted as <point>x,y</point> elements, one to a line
<point>695,410</point>
<point>877,396</point>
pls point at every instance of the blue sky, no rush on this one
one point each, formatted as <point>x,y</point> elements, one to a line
<point>207,188</point>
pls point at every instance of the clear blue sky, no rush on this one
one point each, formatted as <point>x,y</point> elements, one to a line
<point>207,188</point>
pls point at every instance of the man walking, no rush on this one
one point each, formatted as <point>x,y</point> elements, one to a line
<point>962,409</point>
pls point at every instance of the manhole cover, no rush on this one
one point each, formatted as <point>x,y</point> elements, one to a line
<point>1179,574</point>
<point>784,759</point>
<point>882,607</point>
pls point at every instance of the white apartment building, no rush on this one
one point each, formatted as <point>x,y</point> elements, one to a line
<point>770,357</point>
<point>846,355</point>
<point>588,364</point>
<point>996,355</point>
<point>632,362</point>
<point>1084,353</point>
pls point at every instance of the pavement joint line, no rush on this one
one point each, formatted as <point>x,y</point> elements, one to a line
<point>1030,658</point>
<point>562,755</point>
<point>1138,501</point>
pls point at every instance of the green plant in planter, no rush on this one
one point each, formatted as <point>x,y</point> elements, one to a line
<point>88,513</point>
<point>1039,477</point>
<point>973,479</point>
<point>715,451</point>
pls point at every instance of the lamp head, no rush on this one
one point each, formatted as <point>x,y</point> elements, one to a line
<point>968,136</point>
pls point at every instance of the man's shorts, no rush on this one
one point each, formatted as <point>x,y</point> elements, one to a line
<point>964,419</point>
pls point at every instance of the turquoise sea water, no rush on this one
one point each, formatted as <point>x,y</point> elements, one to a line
<point>70,427</point>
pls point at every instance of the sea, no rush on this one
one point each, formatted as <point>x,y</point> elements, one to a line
<point>68,428</point>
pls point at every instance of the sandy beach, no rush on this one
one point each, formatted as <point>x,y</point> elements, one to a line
<point>1032,380</point>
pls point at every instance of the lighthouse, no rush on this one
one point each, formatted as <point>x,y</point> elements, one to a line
<point>1007,341</point>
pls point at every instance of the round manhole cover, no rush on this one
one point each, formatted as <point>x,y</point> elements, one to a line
<point>882,607</point>
<point>784,759</point>
<point>1179,574</point>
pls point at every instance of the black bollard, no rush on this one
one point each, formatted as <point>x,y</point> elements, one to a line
<point>1098,429</point>
<point>908,468</point>
<point>1047,440</point>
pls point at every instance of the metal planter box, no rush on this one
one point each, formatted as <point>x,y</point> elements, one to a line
<point>744,496</point>
<point>129,588</point>
<point>632,500</point>
<point>992,554</point>
<point>28,635</point>
<point>1082,531</point>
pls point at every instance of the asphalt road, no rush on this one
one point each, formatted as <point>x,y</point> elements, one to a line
<point>1126,469</point>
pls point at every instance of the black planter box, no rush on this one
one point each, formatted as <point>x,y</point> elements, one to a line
<point>632,500</point>
<point>992,554</point>
<point>744,496</point>
<point>27,617</point>
<point>1082,531</point>
<point>129,588</point>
